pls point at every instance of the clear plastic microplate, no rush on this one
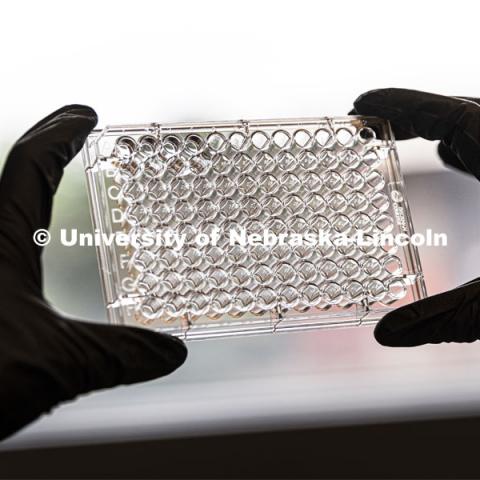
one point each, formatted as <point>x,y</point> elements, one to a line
<point>331,175</point>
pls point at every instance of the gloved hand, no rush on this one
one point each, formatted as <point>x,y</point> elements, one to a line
<point>453,316</point>
<point>46,358</point>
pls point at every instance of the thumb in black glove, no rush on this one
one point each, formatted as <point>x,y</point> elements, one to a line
<point>453,316</point>
<point>45,358</point>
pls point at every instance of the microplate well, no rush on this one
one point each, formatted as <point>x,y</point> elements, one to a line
<point>295,176</point>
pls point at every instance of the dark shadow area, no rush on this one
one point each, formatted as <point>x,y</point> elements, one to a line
<point>427,449</point>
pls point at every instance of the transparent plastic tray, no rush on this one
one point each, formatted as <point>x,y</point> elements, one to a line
<point>337,175</point>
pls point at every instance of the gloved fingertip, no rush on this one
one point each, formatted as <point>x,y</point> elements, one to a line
<point>403,327</point>
<point>383,335</point>
<point>369,97</point>
<point>449,158</point>
<point>78,111</point>
<point>178,348</point>
<point>160,352</point>
<point>168,347</point>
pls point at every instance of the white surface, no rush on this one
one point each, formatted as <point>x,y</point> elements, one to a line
<point>372,384</point>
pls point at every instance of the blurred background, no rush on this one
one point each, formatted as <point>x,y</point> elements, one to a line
<point>137,62</point>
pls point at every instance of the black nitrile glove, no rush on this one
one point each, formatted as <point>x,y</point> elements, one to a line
<point>45,358</point>
<point>453,316</point>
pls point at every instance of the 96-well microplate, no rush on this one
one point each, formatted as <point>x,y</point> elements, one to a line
<point>336,175</point>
